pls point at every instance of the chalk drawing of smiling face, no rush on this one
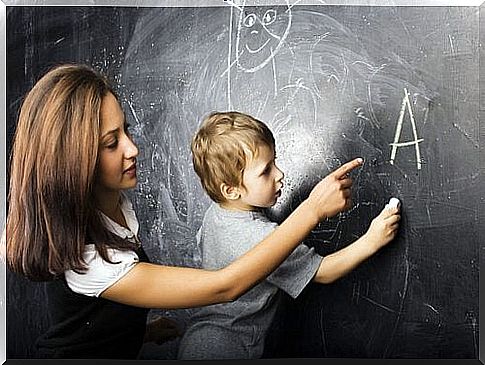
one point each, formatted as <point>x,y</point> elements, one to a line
<point>260,34</point>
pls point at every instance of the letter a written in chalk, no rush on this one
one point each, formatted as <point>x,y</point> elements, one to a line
<point>406,104</point>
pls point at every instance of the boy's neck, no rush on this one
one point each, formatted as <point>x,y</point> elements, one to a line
<point>237,206</point>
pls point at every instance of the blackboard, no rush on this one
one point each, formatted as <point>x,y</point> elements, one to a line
<point>397,86</point>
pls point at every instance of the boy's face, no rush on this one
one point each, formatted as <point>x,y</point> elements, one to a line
<point>262,181</point>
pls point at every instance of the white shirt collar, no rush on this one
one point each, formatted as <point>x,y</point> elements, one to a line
<point>128,212</point>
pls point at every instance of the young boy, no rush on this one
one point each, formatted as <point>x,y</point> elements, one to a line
<point>234,156</point>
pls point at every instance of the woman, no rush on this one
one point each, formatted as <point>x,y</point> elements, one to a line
<point>70,224</point>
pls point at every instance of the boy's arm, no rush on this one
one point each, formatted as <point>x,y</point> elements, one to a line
<point>157,286</point>
<point>381,231</point>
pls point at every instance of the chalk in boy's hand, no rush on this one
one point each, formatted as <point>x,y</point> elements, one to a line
<point>394,203</point>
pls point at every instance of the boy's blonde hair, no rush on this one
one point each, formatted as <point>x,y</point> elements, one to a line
<point>222,147</point>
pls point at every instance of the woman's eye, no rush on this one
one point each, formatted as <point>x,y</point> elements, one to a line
<point>269,17</point>
<point>249,20</point>
<point>112,145</point>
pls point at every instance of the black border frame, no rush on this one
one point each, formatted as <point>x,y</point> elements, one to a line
<point>190,3</point>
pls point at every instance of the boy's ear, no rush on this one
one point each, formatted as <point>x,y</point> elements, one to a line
<point>230,192</point>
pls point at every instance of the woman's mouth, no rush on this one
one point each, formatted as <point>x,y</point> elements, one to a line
<point>131,171</point>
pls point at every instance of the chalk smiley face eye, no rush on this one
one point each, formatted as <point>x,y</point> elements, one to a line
<point>258,39</point>
<point>269,17</point>
<point>249,20</point>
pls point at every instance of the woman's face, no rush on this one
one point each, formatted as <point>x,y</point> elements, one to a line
<point>117,152</point>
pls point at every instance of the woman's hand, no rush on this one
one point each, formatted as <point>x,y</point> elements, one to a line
<point>161,330</point>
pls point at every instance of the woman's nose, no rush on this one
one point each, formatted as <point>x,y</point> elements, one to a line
<point>131,149</point>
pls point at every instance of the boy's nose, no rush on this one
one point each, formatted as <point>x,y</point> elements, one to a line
<point>280,175</point>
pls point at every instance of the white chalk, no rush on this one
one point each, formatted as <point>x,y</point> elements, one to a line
<point>394,203</point>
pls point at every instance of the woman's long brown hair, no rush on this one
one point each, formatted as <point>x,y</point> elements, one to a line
<point>51,211</point>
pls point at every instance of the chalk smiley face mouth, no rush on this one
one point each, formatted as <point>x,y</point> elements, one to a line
<point>259,49</point>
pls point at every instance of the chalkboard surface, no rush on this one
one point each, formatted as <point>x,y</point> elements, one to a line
<point>397,86</point>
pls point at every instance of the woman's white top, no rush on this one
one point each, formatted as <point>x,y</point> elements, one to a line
<point>100,274</point>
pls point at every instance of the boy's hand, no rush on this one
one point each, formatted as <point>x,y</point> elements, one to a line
<point>383,228</point>
<point>161,330</point>
<point>332,194</point>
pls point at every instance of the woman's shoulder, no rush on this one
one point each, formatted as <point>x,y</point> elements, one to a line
<point>100,274</point>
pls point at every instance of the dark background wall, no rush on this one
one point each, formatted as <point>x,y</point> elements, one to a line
<point>333,83</point>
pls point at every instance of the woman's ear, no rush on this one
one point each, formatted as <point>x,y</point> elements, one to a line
<point>230,192</point>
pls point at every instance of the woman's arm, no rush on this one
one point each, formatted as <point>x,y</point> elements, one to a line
<point>157,286</point>
<point>382,230</point>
